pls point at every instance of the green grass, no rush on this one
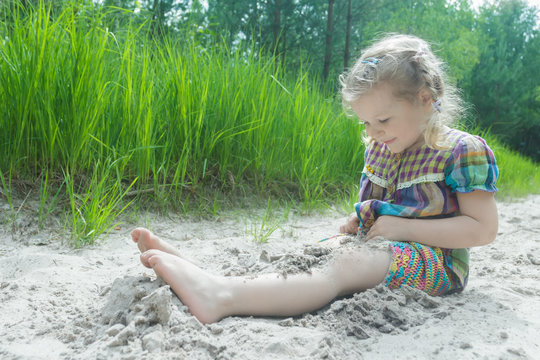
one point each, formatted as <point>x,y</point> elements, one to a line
<point>264,227</point>
<point>519,175</point>
<point>193,124</point>
<point>99,120</point>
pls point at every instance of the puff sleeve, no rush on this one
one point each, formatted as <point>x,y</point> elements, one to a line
<point>471,166</point>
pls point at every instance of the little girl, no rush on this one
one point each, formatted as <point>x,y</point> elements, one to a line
<point>426,188</point>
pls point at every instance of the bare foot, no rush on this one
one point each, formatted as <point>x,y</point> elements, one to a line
<point>204,294</point>
<point>146,240</point>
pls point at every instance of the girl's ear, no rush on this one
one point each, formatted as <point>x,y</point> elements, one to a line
<point>425,99</point>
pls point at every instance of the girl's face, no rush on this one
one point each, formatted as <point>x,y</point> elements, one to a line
<point>395,122</point>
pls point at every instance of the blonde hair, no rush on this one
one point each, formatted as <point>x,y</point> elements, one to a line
<point>410,66</point>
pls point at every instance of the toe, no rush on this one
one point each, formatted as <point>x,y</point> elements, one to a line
<point>151,258</point>
<point>145,257</point>
<point>136,234</point>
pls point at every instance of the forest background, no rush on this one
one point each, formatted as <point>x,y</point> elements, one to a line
<point>200,105</point>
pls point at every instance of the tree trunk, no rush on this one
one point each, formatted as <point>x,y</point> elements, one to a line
<point>251,30</point>
<point>329,31</point>
<point>155,16</point>
<point>277,25</point>
<point>348,36</point>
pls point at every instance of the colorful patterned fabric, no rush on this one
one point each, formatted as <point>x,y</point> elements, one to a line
<point>422,183</point>
<point>420,266</point>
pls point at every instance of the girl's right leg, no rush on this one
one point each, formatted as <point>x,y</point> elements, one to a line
<point>210,297</point>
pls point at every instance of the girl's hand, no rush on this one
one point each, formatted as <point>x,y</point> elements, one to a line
<point>351,227</point>
<point>390,227</point>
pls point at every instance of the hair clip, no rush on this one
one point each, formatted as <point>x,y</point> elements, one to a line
<point>371,61</point>
<point>416,57</point>
<point>437,105</point>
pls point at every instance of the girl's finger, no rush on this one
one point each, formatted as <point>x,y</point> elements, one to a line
<point>371,233</point>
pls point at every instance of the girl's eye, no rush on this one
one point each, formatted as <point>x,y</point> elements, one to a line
<point>384,120</point>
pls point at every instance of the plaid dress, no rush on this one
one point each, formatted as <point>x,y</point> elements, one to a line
<point>422,183</point>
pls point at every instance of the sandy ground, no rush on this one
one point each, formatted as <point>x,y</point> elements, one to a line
<point>101,303</point>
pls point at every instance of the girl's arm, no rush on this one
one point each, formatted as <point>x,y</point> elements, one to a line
<point>477,225</point>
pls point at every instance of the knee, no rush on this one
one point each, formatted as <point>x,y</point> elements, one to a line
<point>358,269</point>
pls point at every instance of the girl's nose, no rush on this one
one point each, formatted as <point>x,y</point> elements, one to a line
<point>374,132</point>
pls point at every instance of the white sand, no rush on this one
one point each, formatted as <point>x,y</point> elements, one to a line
<point>101,303</point>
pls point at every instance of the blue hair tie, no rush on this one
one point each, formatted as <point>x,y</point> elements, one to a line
<point>437,105</point>
<point>371,61</point>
